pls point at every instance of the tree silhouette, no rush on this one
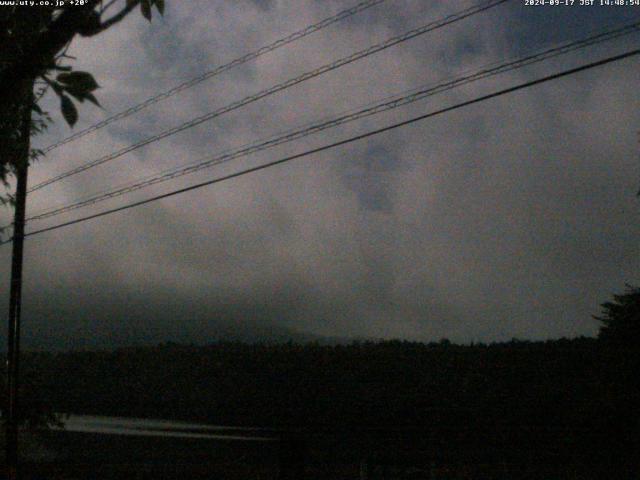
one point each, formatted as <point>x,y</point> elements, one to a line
<point>621,318</point>
<point>33,42</point>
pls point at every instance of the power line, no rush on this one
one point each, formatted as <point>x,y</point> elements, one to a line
<point>480,99</point>
<point>279,87</point>
<point>220,69</point>
<point>381,106</point>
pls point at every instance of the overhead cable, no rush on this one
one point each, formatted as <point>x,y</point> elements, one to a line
<point>380,107</point>
<point>277,88</point>
<point>323,148</point>
<point>218,70</point>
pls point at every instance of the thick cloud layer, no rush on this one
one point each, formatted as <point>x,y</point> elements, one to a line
<point>515,217</point>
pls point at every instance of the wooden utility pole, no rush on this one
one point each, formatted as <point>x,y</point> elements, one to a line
<point>15,295</point>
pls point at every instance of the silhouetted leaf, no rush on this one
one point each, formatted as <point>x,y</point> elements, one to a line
<point>145,7</point>
<point>69,110</point>
<point>37,109</point>
<point>92,99</point>
<point>160,6</point>
<point>80,94</point>
<point>91,25</point>
<point>75,93</point>
<point>79,81</point>
<point>56,87</point>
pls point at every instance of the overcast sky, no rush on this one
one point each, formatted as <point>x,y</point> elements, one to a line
<point>515,217</point>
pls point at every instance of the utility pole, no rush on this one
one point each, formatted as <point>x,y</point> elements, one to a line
<point>15,295</point>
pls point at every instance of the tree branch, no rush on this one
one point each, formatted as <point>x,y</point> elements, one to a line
<point>38,55</point>
<point>106,7</point>
<point>117,17</point>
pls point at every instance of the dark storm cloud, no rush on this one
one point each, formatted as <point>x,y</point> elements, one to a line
<point>513,218</point>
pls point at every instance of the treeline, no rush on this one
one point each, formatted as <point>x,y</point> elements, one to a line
<point>565,405</point>
<point>538,403</point>
<point>366,383</point>
<point>559,382</point>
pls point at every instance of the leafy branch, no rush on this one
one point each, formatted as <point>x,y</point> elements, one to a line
<point>33,42</point>
<point>77,84</point>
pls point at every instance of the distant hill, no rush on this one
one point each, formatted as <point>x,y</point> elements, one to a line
<point>254,332</point>
<point>209,332</point>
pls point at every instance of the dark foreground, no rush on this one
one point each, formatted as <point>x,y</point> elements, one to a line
<point>564,409</point>
<point>301,455</point>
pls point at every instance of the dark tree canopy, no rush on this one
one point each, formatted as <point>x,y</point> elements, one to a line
<point>621,318</point>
